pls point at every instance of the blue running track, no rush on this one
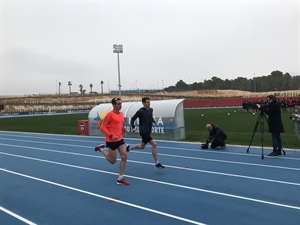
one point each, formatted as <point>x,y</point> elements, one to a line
<point>60,180</point>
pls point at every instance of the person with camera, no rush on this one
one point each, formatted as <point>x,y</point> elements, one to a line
<point>273,111</point>
<point>216,136</point>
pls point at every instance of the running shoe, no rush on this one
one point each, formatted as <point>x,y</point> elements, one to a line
<point>159,166</point>
<point>123,182</point>
<point>127,148</point>
<point>99,148</point>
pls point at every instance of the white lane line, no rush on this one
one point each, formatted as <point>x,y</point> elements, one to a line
<point>229,162</point>
<point>169,166</point>
<point>104,197</point>
<point>161,154</point>
<point>161,182</point>
<point>166,147</point>
<point>17,216</point>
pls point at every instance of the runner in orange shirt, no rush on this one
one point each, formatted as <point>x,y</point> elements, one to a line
<point>112,127</point>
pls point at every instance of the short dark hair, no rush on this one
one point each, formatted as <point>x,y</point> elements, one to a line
<point>115,99</point>
<point>272,97</point>
<point>145,99</point>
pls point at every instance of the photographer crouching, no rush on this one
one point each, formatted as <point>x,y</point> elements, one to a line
<point>273,110</point>
<point>216,136</point>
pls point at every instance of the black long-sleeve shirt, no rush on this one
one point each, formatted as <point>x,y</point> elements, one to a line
<point>216,133</point>
<point>145,120</point>
<point>273,111</point>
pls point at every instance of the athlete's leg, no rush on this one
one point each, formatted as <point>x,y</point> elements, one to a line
<point>154,149</point>
<point>123,155</point>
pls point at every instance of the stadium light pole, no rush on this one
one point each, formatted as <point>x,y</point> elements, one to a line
<point>118,49</point>
<point>254,82</point>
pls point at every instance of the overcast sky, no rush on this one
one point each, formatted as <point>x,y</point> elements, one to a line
<point>47,42</point>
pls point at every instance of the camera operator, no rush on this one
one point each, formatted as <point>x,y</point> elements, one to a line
<point>216,136</point>
<point>272,109</point>
<point>296,119</point>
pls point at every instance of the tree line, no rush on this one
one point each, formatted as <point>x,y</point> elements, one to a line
<point>276,81</point>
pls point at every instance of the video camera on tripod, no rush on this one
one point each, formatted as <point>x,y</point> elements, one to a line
<point>271,106</point>
<point>259,126</point>
<point>295,117</point>
<point>261,106</point>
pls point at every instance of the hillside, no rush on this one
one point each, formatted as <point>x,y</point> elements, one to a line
<point>88,101</point>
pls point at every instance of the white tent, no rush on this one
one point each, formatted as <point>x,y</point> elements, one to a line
<point>168,114</point>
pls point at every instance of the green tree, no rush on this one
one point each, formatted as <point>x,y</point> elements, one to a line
<point>81,88</point>
<point>276,81</point>
<point>181,85</point>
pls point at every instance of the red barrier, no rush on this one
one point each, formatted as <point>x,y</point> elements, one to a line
<point>83,127</point>
<point>224,102</point>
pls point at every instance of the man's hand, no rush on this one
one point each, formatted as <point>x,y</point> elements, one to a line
<point>114,137</point>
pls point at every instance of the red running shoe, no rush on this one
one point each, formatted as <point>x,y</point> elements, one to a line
<point>123,181</point>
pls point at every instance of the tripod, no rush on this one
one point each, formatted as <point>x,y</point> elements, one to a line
<point>259,122</point>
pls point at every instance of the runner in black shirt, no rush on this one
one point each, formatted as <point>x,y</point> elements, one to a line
<point>145,115</point>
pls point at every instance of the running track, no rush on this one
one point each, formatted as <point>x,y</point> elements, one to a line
<point>61,180</point>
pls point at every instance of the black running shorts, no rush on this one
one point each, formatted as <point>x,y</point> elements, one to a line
<point>146,137</point>
<point>115,145</point>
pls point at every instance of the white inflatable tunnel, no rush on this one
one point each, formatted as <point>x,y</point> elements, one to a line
<point>169,116</point>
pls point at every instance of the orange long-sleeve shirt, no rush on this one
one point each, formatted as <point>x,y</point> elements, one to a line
<point>112,125</point>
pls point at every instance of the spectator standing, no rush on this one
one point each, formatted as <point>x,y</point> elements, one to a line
<point>273,110</point>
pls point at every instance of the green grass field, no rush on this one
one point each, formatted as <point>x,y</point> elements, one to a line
<point>238,125</point>
<point>53,124</point>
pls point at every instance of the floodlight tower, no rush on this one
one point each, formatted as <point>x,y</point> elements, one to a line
<point>118,49</point>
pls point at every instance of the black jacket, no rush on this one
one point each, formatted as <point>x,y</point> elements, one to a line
<point>145,120</point>
<point>216,133</point>
<point>274,117</point>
